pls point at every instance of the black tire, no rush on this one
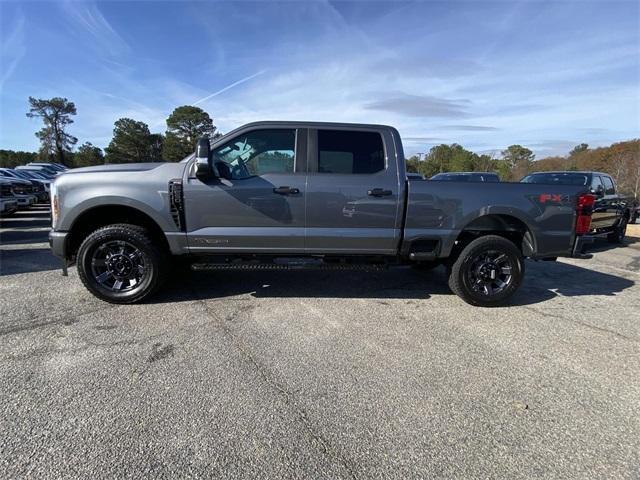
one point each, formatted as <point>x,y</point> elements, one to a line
<point>619,232</point>
<point>487,272</point>
<point>139,261</point>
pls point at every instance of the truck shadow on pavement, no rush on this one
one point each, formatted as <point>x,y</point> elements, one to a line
<point>602,245</point>
<point>27,260</point>
<point>543,281</point>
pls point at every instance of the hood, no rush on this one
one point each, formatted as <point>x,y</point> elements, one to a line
<point>115,167</point>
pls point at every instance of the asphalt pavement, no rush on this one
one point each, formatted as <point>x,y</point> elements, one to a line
<point>316,374</point>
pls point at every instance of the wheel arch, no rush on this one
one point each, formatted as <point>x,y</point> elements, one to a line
<point>506,225</point>
<point>100,216</point>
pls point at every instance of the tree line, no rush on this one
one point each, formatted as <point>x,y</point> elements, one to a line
<point>620,160</point>
<point>133,142</point>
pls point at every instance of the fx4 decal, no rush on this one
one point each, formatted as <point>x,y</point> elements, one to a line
<point>553,198</point>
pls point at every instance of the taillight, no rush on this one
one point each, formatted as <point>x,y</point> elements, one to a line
<point>584,210</point>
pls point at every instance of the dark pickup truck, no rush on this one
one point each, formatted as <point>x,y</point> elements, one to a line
<point>611,211</point>
<point>301,194</point>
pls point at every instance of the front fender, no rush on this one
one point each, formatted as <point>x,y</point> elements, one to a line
<point>157,210</point>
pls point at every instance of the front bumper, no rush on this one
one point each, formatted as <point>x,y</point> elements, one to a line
<point>580,246</point>
<point>58,243</point>
<point>7,207</point>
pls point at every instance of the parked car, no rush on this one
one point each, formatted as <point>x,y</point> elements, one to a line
<point>46,171</point>
<point>8,202</point>
<point>611,211</point>
<point>56,166</point>
<point>40,187</point>
<point>466,177</point>
<point>22,191</point>
<point>320,195</point>
<point>634,211</point>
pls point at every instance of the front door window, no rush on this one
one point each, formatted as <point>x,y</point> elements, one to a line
<point>256,153</point>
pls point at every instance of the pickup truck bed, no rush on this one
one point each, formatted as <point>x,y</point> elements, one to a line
<point>291,194</point>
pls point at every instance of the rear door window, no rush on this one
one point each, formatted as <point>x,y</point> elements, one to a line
<point>349,152</point>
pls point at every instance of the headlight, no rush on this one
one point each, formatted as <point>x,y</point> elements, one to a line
<point>55,206</point>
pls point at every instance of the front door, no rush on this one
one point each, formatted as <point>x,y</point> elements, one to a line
<point>353,191</point>
<point>256,202</point>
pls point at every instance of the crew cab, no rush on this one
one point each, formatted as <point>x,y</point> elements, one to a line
<point>305,194</point>
<point>611,211</point>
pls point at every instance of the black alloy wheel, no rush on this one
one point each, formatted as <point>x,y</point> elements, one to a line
<point>488,271</point>
<point>122,263</point>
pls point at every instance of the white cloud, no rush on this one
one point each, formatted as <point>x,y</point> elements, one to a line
<point>12,49</point>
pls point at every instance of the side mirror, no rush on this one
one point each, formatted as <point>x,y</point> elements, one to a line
<point>203,161</point>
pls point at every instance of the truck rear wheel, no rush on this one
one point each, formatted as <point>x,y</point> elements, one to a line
<point>121,264</point>
<point>487,272</point>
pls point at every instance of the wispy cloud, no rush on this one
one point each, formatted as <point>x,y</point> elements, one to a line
<point>13,49</point>
<point>228,87</point>
<point>87,17</point>
<point>421,139</point>
<point>421,106</point>
<point>468,128</point>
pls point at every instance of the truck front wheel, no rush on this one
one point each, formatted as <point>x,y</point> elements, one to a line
<point>488,271</point>
<point>121,264</point>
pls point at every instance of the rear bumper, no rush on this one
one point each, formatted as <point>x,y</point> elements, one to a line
<point>580,246</point>
<point>58,243</point>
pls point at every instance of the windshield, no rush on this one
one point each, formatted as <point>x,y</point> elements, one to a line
<point>557,178</point>
<point>37,175</point>
<point>18,173</point>
<point>44,174</point>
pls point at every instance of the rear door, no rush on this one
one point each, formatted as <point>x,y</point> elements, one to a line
<point>353,188</point>
<point>611,202</point>
<point>599,215</point>
<point>257,201</point>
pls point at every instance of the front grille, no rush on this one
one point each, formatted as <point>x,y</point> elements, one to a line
<point>5,191</point>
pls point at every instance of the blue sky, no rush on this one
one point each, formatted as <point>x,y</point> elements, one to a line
<point>547,75</point>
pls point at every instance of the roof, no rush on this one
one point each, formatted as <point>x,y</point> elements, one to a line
<point>307,124</point>
<point>579,172</point>
<point>466,173</point>
<point>286,123</point>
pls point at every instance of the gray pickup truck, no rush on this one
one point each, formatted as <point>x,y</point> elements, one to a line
<point>277,195</point>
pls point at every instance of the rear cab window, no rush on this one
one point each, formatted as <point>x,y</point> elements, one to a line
<point>558,178</point>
